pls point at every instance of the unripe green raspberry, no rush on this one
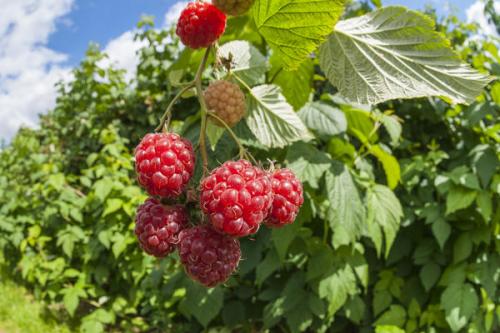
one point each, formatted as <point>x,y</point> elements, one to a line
<point>233,7</point>
<point>226,100</point>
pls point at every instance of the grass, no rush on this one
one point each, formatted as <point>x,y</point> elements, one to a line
<point>20,313</point>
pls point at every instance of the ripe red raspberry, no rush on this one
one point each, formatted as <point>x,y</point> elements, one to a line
<point>208,256</point>
<point>227,101</point>
<point>157,227</point>
<point>200,24</point>
<point>288,198</point>
<point>164,163</point>
<point>233,7</point>
<point>236,196</point>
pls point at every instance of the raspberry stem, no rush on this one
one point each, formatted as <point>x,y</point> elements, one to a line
<point>203,105</point>
<point>243,83</point>
<point>167,115</point>
<point>243,152</point>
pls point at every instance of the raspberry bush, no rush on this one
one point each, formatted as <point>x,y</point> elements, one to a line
<point>333,203</point>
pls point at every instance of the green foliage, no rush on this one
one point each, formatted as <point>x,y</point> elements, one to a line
<point>400,226</point>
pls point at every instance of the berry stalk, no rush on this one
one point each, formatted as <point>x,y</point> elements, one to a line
<point>204,111</point>
<point>243,152</point>
<point>165,119</point>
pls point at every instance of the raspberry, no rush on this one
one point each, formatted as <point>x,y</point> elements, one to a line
<point>233,7</point>
<point>157,227</point>
<point>227,101</point>
<point>164,163</point>
<point>236,196</point>
<point>208,257</point>
<point>200,24</point>
<point>287,200</point>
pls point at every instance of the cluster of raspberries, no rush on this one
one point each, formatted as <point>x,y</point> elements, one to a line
<point>236,198</point>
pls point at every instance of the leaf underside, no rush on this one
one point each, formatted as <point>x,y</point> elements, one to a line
<point>395,53</point>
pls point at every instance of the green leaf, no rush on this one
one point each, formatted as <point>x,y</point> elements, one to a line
<point>119,244</point>
<point>233,313</point>
<point>112,205</point>
<point>484,163</point>
<point>266,267</point>
<point>91,326</point>
<point>295,85</point>
<point>441,230</point>
<point>396,316</point>
<point>204,304</point>
<point>337,287</point>
<point>316,304</point>
<point>390,165</point>
<point>384,214</point>
<point>429,274</point>
<point>395,53</point>
<point>273,312</point>
<point>71,299</point>
<point>460,302</point>
<point>323,118</point>
<point>359,123</point>
<point>320,262</point>
<point>388,329</point>
<point>458,198</point>
<point>393,127</point>
<point>355,309</point>
<point>299,318</point>
<point>214,133</point>
<point>272,120</point>
<point>463,176</point>
<point>308,163</point>
<point>485,205</point>
<point>102,188</point>
<point>283,237</point>
<point>381,301</point>
<point>246,61</point>
<point>57,181</point>
<point>103,316</point>
<point>295,28</point>
<point>462,248</point>
<point>346,213</point>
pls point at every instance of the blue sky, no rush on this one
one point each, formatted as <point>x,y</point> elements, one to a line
<point>42,40</point>
<point>101,21</point>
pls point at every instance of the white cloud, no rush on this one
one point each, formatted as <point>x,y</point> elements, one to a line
<point>475,13</point>
<point>28,69</point>
<point>122,53</point>
<point>172,15</point>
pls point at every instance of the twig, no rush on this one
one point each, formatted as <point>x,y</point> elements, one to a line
<point>167,115</point>
<point>203,105</point>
